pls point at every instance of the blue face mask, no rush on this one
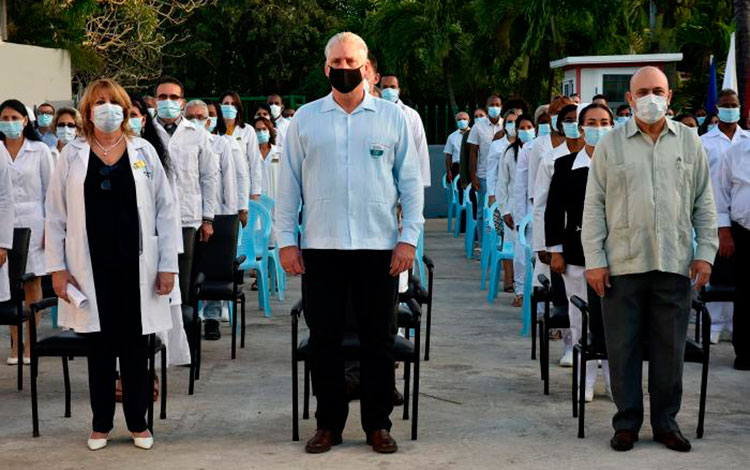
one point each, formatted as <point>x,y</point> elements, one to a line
<point>729,115</point>
<point>554,121</point>
<point>212,123</point>
<point>136,124</point>
<point>168,109</point>
<point>621,120</point>
<point>592,135</point>
<point>494,111</point>
<point>390,94</point>
<point>711,127</point>
<point>510,128</point>
<point>545,129</point>
<point>263,136</point>
<point>480,120</point>
<point>570,129</point>
<point>229,111</point>
<point>108,117</point>
<point>44,120</point>
<point>11,129</point>
<point>526,135</point>
<point>462,124</point>
<point>701,119</point>
<point>152,112</point>
<point>199,124</point>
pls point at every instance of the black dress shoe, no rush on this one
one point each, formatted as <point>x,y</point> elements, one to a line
<point>212,332</point>
<point>322,441</point>
<point>674,440</point>
<point>398,399</point>
<point>623,440</point>
<point>742,364</point>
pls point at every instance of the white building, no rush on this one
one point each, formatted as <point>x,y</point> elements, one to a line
<point>31,74</point>
<point>608,75</point>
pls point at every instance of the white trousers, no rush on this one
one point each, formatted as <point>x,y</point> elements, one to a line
<point>519,263</point>
<point>721,315</point>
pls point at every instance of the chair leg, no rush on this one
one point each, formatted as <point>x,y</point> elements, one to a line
<point>306,402</point>
<point>533,328</point>
<point>163,413</point>
<point>20,350</point>
<point>582,395</point>
<point>34,398</point>
<point>573,387</point>
<point>295,400</point>
<point>66,381</point>
<point>234,331</point>
<point>428,327</point>
<point>540,329</point>
<point>702,406</point>
<point>200,356</point>
<point>415,404</point>
<point>242,320</point>
<point>407,383</point>
<point>545,355</point>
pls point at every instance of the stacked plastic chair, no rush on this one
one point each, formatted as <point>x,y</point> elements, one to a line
<point>501,249</point>
<point>458,208</point>
<point>528,281</point>
<point>278,276</point>
<point>449,195</point>
<point>471,224</point>
<point>255,237</point>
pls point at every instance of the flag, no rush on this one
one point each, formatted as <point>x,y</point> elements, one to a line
<point>711,97</point>
<point>730,72</point>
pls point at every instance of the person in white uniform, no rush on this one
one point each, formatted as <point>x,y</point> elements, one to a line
<point>7,215</point>
<point>30,162</point>
<point>567,126</point>
<point>501,142</point>
<point>452,148</point>
<point>716,143</point>
<point>390,91</point>
<point>232,112</point>
<point>123,259</point>
<point>68,126</point>
<point>280,124</point>
<point>270,154</point>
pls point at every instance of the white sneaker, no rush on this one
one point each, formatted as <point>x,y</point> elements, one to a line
<point>145,443</point>
<point>97,444</point>
<point>567,358</point>
<point>715,337</point>
<point>225,311</point>
<point>12,361</point>
<point>26,361</point>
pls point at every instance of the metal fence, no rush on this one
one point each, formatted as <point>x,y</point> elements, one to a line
<point>438,120</point>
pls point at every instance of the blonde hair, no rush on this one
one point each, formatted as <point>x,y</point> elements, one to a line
<point>72,112</point>
<point>117,93</point>
<point>350,37</point>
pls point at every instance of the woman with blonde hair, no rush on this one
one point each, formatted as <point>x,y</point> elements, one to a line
<point>67,125</point>
<point>111,235</point>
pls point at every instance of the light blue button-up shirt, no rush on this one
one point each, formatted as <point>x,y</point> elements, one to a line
<point>350,170</point>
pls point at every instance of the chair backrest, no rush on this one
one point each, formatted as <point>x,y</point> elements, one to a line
<point>257,232</point>
<point>17,257</point>
<point>525,222</point>
<point>186,260</point>
<point>215,258</point>
<point>444,181</point>
<point>267,202</point>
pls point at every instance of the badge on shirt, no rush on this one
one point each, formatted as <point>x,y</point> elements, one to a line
<point>141,165</point>
<point>377,150</point>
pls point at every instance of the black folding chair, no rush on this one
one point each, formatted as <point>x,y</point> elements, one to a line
<point>696,351</point>
<point>70,344</point>
<point>217,260</point>
<point>403,350</point>
<point>558,319</point>
<point>11,311</point>
<point>423,297</point>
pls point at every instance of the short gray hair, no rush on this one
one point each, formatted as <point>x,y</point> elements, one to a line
<point>197,103</point>
<point>347,36</point>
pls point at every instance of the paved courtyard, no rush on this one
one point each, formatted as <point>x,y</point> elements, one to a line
<point>481,403</point>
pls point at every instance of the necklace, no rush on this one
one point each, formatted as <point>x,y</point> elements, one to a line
<point>107,149</point>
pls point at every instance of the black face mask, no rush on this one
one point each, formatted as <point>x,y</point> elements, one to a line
<point>345,80</point>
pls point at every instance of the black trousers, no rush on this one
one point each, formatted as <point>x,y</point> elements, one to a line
<point>332,280</point>
<point>741,317</point>
<point>136,390</point>
<point>646,312</point>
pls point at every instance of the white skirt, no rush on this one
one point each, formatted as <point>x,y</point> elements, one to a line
<point>4,283</point>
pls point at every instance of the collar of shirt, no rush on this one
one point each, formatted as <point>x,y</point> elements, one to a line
<point>716,133</point>
<point>633,129</point>
<point>582,160</point>
<point>170,127</point>
<point>329,104</point>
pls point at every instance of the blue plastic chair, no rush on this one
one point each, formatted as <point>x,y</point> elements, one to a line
<point>501,249</point>
<point>458,208</point>
<point>278,276</point>
<point>471,224</point>
<point>449,198</point>
<point>528,281</point>
<point>488,240</point>
<point>254,246</point>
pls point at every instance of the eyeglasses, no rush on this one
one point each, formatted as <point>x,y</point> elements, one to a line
<point>69,125</point>
<point>106,183</point>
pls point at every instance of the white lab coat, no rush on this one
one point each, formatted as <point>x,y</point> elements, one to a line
<point>271,172</point>
<point>243,173</point>
<point>66,242</point>
<point>7,216</point>
<point>197,172</point>
<point>248,141</point>
<point>226,189</point>
<point>281,125</point>
<point>30,172</point>
<point>495,155</point>
<point>414,121</point>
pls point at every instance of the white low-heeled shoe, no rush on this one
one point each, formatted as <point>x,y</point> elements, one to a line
<point>145,443</point>
<point>97,444</point>
<point>26,361</point>
<point>12,361</point>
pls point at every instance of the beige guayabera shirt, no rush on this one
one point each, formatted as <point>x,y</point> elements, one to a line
<point>649,206</point>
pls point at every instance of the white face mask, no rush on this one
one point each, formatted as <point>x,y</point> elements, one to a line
<point>651,108</point>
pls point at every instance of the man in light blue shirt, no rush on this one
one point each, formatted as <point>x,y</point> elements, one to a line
<point>45,115</point>
<point>349,159</point>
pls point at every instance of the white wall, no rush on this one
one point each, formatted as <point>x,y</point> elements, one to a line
<point>35,74</point>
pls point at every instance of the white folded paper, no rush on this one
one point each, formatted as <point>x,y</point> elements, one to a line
<point>76,297</point>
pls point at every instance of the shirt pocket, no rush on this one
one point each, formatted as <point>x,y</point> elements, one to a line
<point>620,184</point>
<point>684,193</point>
<point>378,165</point>
<point>188,161</point>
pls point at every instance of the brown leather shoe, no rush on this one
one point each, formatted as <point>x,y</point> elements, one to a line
<point>322,441</point>
<point>674,440</point>
<point>623,440</point>
<point>382,442</point>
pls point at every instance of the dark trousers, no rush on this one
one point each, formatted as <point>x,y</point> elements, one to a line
<point>136,391</point>
<point>741,317</point>
<point>334,279</point>
<point>649,313</point>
